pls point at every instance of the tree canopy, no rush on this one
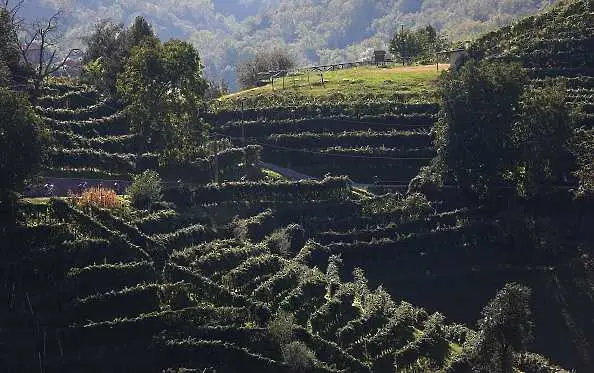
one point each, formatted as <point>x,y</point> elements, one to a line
<point>496,130</point>
<point>505,328</point>
<point>164,86</point>
<point>324,32</point>
<point>410,45</point>
<point>20,142</point>
<point>107,49</point>
<point>478,109</point>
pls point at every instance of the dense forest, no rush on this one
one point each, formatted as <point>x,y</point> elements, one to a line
<point>374,218</point>
<point>227,31</point>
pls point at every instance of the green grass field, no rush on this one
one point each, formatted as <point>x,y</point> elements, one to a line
<point>414,82</point>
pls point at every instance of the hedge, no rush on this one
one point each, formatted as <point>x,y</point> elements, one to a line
<point>66,212</point>
<point>302,301</point>
<point>329,188</point>
<point>110,144</point>
<point>124,303</point>
<point>308,140</point>
<point>274,289</point>
<point>330,352</point>
<point>94,111</point>
<point>88,251</point>
<point>225,356</point>
<point>114,125</point>
<point>89,158</point>
<point>184,237</point>
<point>341,123</point>
<point>208,290</point>
<point>253,267</point>
<point>353,107</point>
<point>73,99</point>
<point>94,279</point>
<point>220,262</point>
<point>254,228</point>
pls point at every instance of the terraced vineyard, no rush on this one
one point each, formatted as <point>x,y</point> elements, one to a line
<point>371,138</point>
<point>92,139</point>
<point>557,44</point>
<point>231,276</point>
<point>198,289</point>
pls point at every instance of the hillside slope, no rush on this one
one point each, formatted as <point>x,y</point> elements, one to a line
<point>544,243</point>
<point>225,31</point>
<point>372,124</point>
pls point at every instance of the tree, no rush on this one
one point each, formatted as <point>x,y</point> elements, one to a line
<point>39,45</point>
<point>9,52</point>
<point>215,89</point>
<point>5,76</point>
<point>505,328</point>
<point>104,55</point>
<point>410,45</point>
<point>277,59</point>
<point>298,356</point>
<point>474,131</point>
<point>20,144</point>
<point>542,135</point>
<point>163,84</point>
<point>11,68</point>
<point>145,189</point>
<point>109,47</point>
<point>139,31</point>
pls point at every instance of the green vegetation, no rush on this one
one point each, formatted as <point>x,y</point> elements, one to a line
<point>418,45</point>
<point>145,189</point>
<point>314,32</point>
<point>163,84</point>
<point>341,85</point>
<point>477,184</point>
<point>20,146</point>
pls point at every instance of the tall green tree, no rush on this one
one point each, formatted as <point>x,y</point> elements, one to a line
<point>542,135</point>
<point>11,68</point>
<point>20,145</point>
<point>138,32</point>
<point>104,56</point>
<point>163,84</point>
<point>474,132</point>
<point>505,328</point>
<point>410,45</point>
<point>107,49</point>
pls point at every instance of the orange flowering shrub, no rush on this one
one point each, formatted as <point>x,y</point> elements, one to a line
<point>98,197</point>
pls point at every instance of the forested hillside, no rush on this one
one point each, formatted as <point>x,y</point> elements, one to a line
<point>226,31</point>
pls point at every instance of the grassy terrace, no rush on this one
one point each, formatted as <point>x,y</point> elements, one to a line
<point>416,83</point>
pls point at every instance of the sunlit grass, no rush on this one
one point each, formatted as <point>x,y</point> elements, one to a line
<point>365,81</point>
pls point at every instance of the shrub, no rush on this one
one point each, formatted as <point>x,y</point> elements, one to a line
<point>416,207</point>
<point>98,197</point>
<point>265,60</point>
<point>254,228</point>
<point>297,238</point>
<point>533,363</point>
<point>281,327</point>
<point>278,242</point>
<point>298,356</point>
<point>145,189</point>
